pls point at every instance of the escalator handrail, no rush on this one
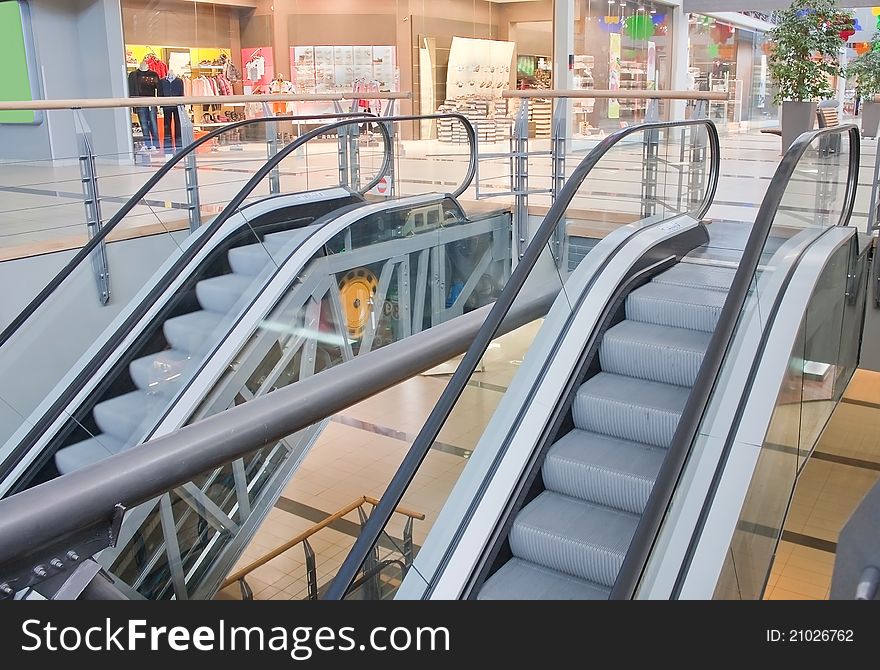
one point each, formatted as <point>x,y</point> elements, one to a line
<point>132,202</point>
<point>42,424</point>
<point>61,508</point>
<point>688,428</point>
<point>60,403</point>
<point>401,480</point>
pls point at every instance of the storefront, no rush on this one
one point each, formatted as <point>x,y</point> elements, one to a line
<point>316,46</point>
<point>728,57</point>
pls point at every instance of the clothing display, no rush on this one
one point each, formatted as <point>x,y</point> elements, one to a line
<point>281,86</point>
<point>255,68</point>
<point>144,83</point>
<point>170,87</point>
<point>149,126</point>
<point>156,64</point>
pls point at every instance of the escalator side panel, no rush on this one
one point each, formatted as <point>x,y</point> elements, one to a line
<point>742,475</point>
<point>550,361</point>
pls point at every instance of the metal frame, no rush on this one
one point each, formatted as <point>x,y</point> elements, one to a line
<point>92,202</point>
<point>191,173</point>
<point>316,285</point>
<point>650,522</point>
<point>447,401</point>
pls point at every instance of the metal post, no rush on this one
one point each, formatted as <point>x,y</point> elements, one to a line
<point>272,149</point>
<point>354,151</point>
<point>521,177</point>
<point>92,201</point>
<point>389,125</point>
<point>370,563</point>
<point>342,151</point>
<point>408,542</point>
<point>650,163</point>
<point>652,110</point>
<point>874,205</point>
<point>311,570</point>
<point>557,151</point>
<point>190,170</point>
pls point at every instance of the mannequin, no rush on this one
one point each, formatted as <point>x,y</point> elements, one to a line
<point>171,86</point>
<point>280,85</point>
<point>144,83</point>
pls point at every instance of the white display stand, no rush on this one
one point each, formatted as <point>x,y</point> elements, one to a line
<point>478,68</point>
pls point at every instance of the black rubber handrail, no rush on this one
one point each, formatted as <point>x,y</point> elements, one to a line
<point>86,373</point>
<point>692,416</point>
<point>430,430</point>
<point>132,202</point>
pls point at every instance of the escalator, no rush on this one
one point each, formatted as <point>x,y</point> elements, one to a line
<point>597,475</point>
<point>282,288</point>
<point>570,540</point>
<point>615,457</point>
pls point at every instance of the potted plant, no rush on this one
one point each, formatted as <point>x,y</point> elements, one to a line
<point>806,43</point>
<point>866,71</point>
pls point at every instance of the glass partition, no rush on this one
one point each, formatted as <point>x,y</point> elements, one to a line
<point>492,394</point>
<point>813,195</point>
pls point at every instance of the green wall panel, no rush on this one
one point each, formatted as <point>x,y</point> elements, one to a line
<point>15,84</point>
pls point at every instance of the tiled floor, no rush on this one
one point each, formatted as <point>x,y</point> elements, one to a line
<point>358,453</point>
<point>844,466</point>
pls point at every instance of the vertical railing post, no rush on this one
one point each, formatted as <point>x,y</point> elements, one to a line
<point>874,205</point>
<point>311,570</point>
<point>371,585</point>
<point>272,149</point>
<point>342,148</point>
<point>389,126</point>
<point>92,201</point>
<point>521,178</point>
<point>408,553</point>
<point>649,162</point>
<point>190,170</point>
<point>354,149</point>
<point>557,151</point>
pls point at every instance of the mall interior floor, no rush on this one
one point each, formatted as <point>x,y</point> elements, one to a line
<point>844,466</point>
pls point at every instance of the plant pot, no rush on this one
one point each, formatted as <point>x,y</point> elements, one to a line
<point>797,118</point>
<point>870,118</point>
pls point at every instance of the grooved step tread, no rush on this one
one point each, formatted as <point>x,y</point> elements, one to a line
<point>521,580</point>
<point>602,470</point>
<point>629,408</point>
<point>653,352</point>
<point>572,536</point>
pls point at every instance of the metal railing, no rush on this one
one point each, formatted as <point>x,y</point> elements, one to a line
<point>64,521</point>
<point>688,427</point>
<point>133,317</point>
<point>239,576</point>
<point>98,239</point>
<point>520,152</point>
<point>489,330</point>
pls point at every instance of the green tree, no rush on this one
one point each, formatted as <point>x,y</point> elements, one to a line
<point>806,49</point>
<point>865,69</point>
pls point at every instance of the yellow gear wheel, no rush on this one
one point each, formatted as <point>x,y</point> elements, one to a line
<point>356,289</point>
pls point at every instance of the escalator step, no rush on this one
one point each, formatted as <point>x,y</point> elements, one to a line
<point>194,332</point>
<point>656,353</point>
<point>696,275</point>
<point>575,537</point>
<point>629,409</point>
<point>288,239</point>
<point>521,580</point>
<point>220,294</point>
<point>676,306</point>
<point>121,416</point>
<point>252,259</point>
<point>602,470</point>
<point>87,452</point>
<point>160,372</point>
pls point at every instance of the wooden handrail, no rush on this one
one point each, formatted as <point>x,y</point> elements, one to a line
<point>621,94</point>
<point>400,510</point>
<point>111,103</point>
<point>306,534</point>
